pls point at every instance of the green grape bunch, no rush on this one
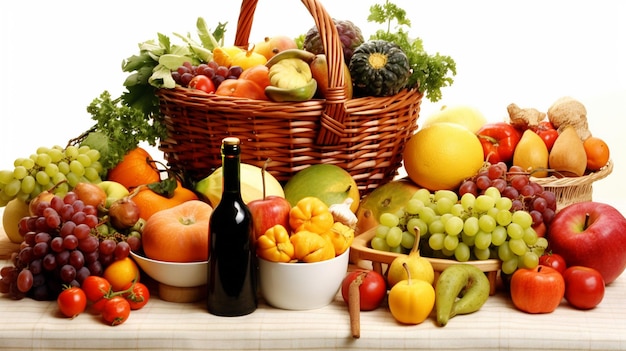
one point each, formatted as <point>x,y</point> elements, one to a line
<point>467,227</point>
<point>54,169</point>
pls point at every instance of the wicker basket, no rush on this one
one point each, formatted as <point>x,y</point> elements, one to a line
<point>365,136</point>
<point>569,190</point>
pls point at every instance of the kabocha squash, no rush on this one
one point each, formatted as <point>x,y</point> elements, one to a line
<point>379,68</point>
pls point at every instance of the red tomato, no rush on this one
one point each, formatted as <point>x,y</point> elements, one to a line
<point>537,290</point>
<point>499,140</point>
<point>138,296</point>
<point>72,302</point>
<point>98,306</point>
<point>372,290</point>
<point>116,310</point>
<point>547,133</point>
<point>203,83</point>
<point>95,288</point>
<point>584,287</point>
<point>553,260</point>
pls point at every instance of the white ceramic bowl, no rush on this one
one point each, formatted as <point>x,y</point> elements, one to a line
<point>177,274</point>
<point>302,286</point>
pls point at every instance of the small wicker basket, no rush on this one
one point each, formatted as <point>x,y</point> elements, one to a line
<point>569,190</point>
<point>365,136</point>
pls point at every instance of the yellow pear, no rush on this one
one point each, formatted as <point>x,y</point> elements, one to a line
<point>418,266</point>
<point>531,154</point>
<point>14,211</point>
<point>568,155</point>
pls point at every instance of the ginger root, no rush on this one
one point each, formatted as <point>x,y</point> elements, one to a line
<point>524,118</point>
<point>569,111</point>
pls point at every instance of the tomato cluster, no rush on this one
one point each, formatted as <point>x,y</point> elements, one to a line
<point>114,306</point>
<point>541,290</point>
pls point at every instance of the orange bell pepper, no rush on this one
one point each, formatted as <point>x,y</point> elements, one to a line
<point>275,245</point>
<point>341,236</point>
<point>312,247</point>
<point>311,214</point>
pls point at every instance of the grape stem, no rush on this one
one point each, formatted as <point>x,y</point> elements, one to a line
<point>82,136</point>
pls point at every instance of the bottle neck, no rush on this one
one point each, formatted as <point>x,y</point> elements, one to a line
<point>231,172</point>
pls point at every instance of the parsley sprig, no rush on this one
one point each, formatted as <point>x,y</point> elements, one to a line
<point>430,73</point>
<point>118,129</point>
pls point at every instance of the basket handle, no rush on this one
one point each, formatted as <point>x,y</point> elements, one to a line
<point>332,128</point>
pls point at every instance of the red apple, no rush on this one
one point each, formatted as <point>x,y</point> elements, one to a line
<point>590,234</point>
<point>267,212</point>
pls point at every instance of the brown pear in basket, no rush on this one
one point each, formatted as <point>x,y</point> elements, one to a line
<point>568,156</point>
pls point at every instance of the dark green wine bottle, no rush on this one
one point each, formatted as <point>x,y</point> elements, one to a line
<point>232,269</point>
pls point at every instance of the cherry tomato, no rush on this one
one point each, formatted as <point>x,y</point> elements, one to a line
<point>498,140</point>
<point>203,83</point>
<point>116,310</point>
<point>98,306</point>
<point>553,260</point>
<point>95,288</point>
<point>138,296</point>
<point>72,301</point>
<point>584,287</point>
<point>372,290</point>
<point>547,133</point>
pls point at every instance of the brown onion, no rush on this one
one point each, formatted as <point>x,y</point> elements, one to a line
<point>124,213</point>
<point>90,194</point>
<point>44,196</point>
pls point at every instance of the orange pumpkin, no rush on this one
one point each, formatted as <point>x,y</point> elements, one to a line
<point>178,234</point>
<point>135,169</point>
<point>150,202</point>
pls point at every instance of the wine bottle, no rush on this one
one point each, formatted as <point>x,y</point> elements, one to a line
<point>232,273</point>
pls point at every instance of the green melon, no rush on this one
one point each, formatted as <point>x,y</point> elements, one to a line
<point>330,183</point>
<point>388,197</point>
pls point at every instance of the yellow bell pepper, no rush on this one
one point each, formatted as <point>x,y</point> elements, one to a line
<point>311,247</point>
<point>341,236</point>
<point>311,214</point>
<point>223,55</point>
<point>275,245</point>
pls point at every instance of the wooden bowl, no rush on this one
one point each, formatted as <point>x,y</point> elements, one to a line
<point>361,251</point>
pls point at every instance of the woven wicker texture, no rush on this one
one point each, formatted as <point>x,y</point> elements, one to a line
<point>569,190</point>
<point>365,136</point>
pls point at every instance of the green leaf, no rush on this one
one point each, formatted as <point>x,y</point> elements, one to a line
<point>162,78</point>
<point>173,61</point>
<point>165,187</point>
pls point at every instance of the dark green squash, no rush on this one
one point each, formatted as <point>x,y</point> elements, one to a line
<point>379,68</point>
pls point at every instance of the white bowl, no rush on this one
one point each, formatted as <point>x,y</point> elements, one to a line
<point>177,274</point>
<point>302,286</point>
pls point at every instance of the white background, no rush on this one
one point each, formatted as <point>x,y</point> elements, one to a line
<point>57,56</point>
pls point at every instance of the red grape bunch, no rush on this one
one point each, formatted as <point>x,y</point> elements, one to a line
<point>62,246</point>
<point>514,183</point>
<point>212,70</point>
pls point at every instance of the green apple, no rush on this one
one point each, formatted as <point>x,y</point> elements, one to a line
<point>114,190</point>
